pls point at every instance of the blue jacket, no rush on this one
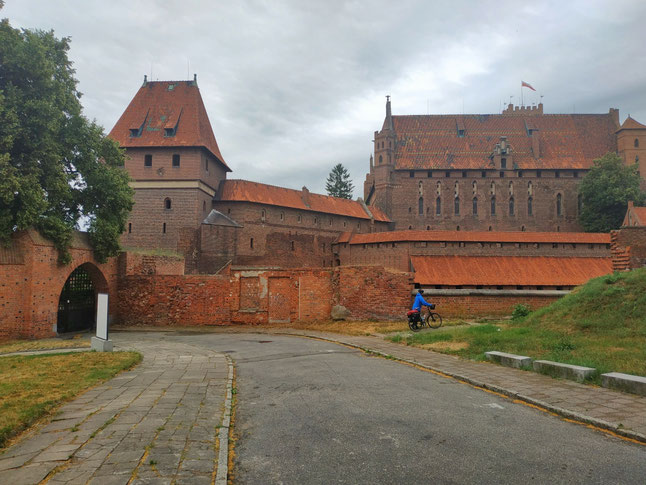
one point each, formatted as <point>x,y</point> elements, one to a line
<point>419,301</point>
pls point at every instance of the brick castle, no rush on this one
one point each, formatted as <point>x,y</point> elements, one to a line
<point>480,210</point>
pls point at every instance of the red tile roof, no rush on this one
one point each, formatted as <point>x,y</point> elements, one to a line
<point>635,216</point>
<point>507,270</point>
<point>167,104</point>
<point>631,124</point>
<point>566,141</point>
<point>245,191</point>
<point>483,236</point>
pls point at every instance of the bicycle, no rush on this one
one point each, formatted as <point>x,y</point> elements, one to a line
<point>431,320</point>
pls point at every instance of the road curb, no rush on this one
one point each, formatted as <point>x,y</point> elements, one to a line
<point>223,433</point>
<point>565,413</point>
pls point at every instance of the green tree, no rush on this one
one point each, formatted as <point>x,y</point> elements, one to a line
<point>338,183</point>
<point>606,190</point>
<point>56,167</point>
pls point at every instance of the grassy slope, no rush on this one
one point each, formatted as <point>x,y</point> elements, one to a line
<point>602,324</point>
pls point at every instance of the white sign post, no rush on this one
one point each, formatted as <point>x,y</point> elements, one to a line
<point>101,342</point>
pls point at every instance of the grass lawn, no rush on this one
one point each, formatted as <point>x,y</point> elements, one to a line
<point>43,344</point>
<point>601,324</point>
<point>34,386</point>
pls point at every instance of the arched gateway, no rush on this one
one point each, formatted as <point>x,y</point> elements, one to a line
<point>77,301</point>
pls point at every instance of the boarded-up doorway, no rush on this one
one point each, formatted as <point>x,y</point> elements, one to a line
<point>279,303</point>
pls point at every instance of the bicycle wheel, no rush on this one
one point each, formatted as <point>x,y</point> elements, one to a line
<point>434,320</point>
<point>412,324</point>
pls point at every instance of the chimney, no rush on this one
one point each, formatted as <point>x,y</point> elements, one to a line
<point>305,196</point>
<point>614,116</point>
<point>145,80</point>
<point>536,146</point>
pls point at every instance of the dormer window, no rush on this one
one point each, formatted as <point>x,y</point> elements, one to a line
<point>461,133</point>
<point>169,132</point>
<point>135,132</point>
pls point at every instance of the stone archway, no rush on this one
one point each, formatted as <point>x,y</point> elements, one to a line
<point>77,300</point>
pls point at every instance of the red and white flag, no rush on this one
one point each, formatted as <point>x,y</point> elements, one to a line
<point>523,84</point>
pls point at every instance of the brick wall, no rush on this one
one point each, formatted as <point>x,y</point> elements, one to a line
<point>30,292</point>
<point>373,293</point>
<point>132,263</point>
<point>238,296</point>
<point>470,306</point>
<point>397,255</point>
<point>405,192</point>
<point>284,237</point>
<point>629,247</point>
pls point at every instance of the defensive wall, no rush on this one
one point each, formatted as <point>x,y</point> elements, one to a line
<point>31,281</point>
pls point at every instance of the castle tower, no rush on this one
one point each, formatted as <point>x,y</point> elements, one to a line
<point>379,184</point>
<point>173,159</point>
<point>631,144</point>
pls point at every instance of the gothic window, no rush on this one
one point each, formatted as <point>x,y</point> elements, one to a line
<point>164,228</point>
<point>511,188</point>
<point>474,187</point>
<point>129,227</point>
<point>410,210</point>
<point>522,228</point>
<point>559,208</point>
<point>206,164</point>
<point>636,143</point>
<point>420,206</point>
<point>203,205</point>
<point>475,206</point>
<point>263,214</point>
<point>282,216</point>
<point>530,189</point>
<point>530,208</point>
<point>511,206</point>
<point>493,206</point>
<point>438,206</point>
<point>175,160</point>
<point>167,203</point>
<point>299,218</point>
<point>456,206</point>
<point>251,243</point>
<point>381,159</point>
<point>292,245</point>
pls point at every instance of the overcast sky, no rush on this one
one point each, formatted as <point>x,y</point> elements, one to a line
<point>294,87</point>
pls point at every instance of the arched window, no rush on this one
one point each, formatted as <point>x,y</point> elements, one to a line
<point>263,215</point>
<point>522,228</point>
<point>167,203</point>
<point>282,216</point>
<point>456,206</point>
<point>438,206</point>
<point>493,206</point>
<point>511,206</point>
<point>475,206</point>
<point>636,142</point>
<point>530,206</point>
<point>559,208</point>
<point>420,206</point>
<point>381,159</point>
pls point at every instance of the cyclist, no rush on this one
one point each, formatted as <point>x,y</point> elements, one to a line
<point>418,303</point>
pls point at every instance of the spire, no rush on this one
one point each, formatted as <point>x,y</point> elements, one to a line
<point>388,122</point>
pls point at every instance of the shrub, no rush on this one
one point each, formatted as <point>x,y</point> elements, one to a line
<point>520,311</point>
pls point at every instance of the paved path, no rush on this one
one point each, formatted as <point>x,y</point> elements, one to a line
<point>154,424</point>
<point>622,413</point>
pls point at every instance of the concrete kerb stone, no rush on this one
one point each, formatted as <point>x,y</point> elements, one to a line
<point>509,360</point>
<point>568,371</point>
<point>223,455</point>
<point>624,382</point>
<point>500,390</point>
